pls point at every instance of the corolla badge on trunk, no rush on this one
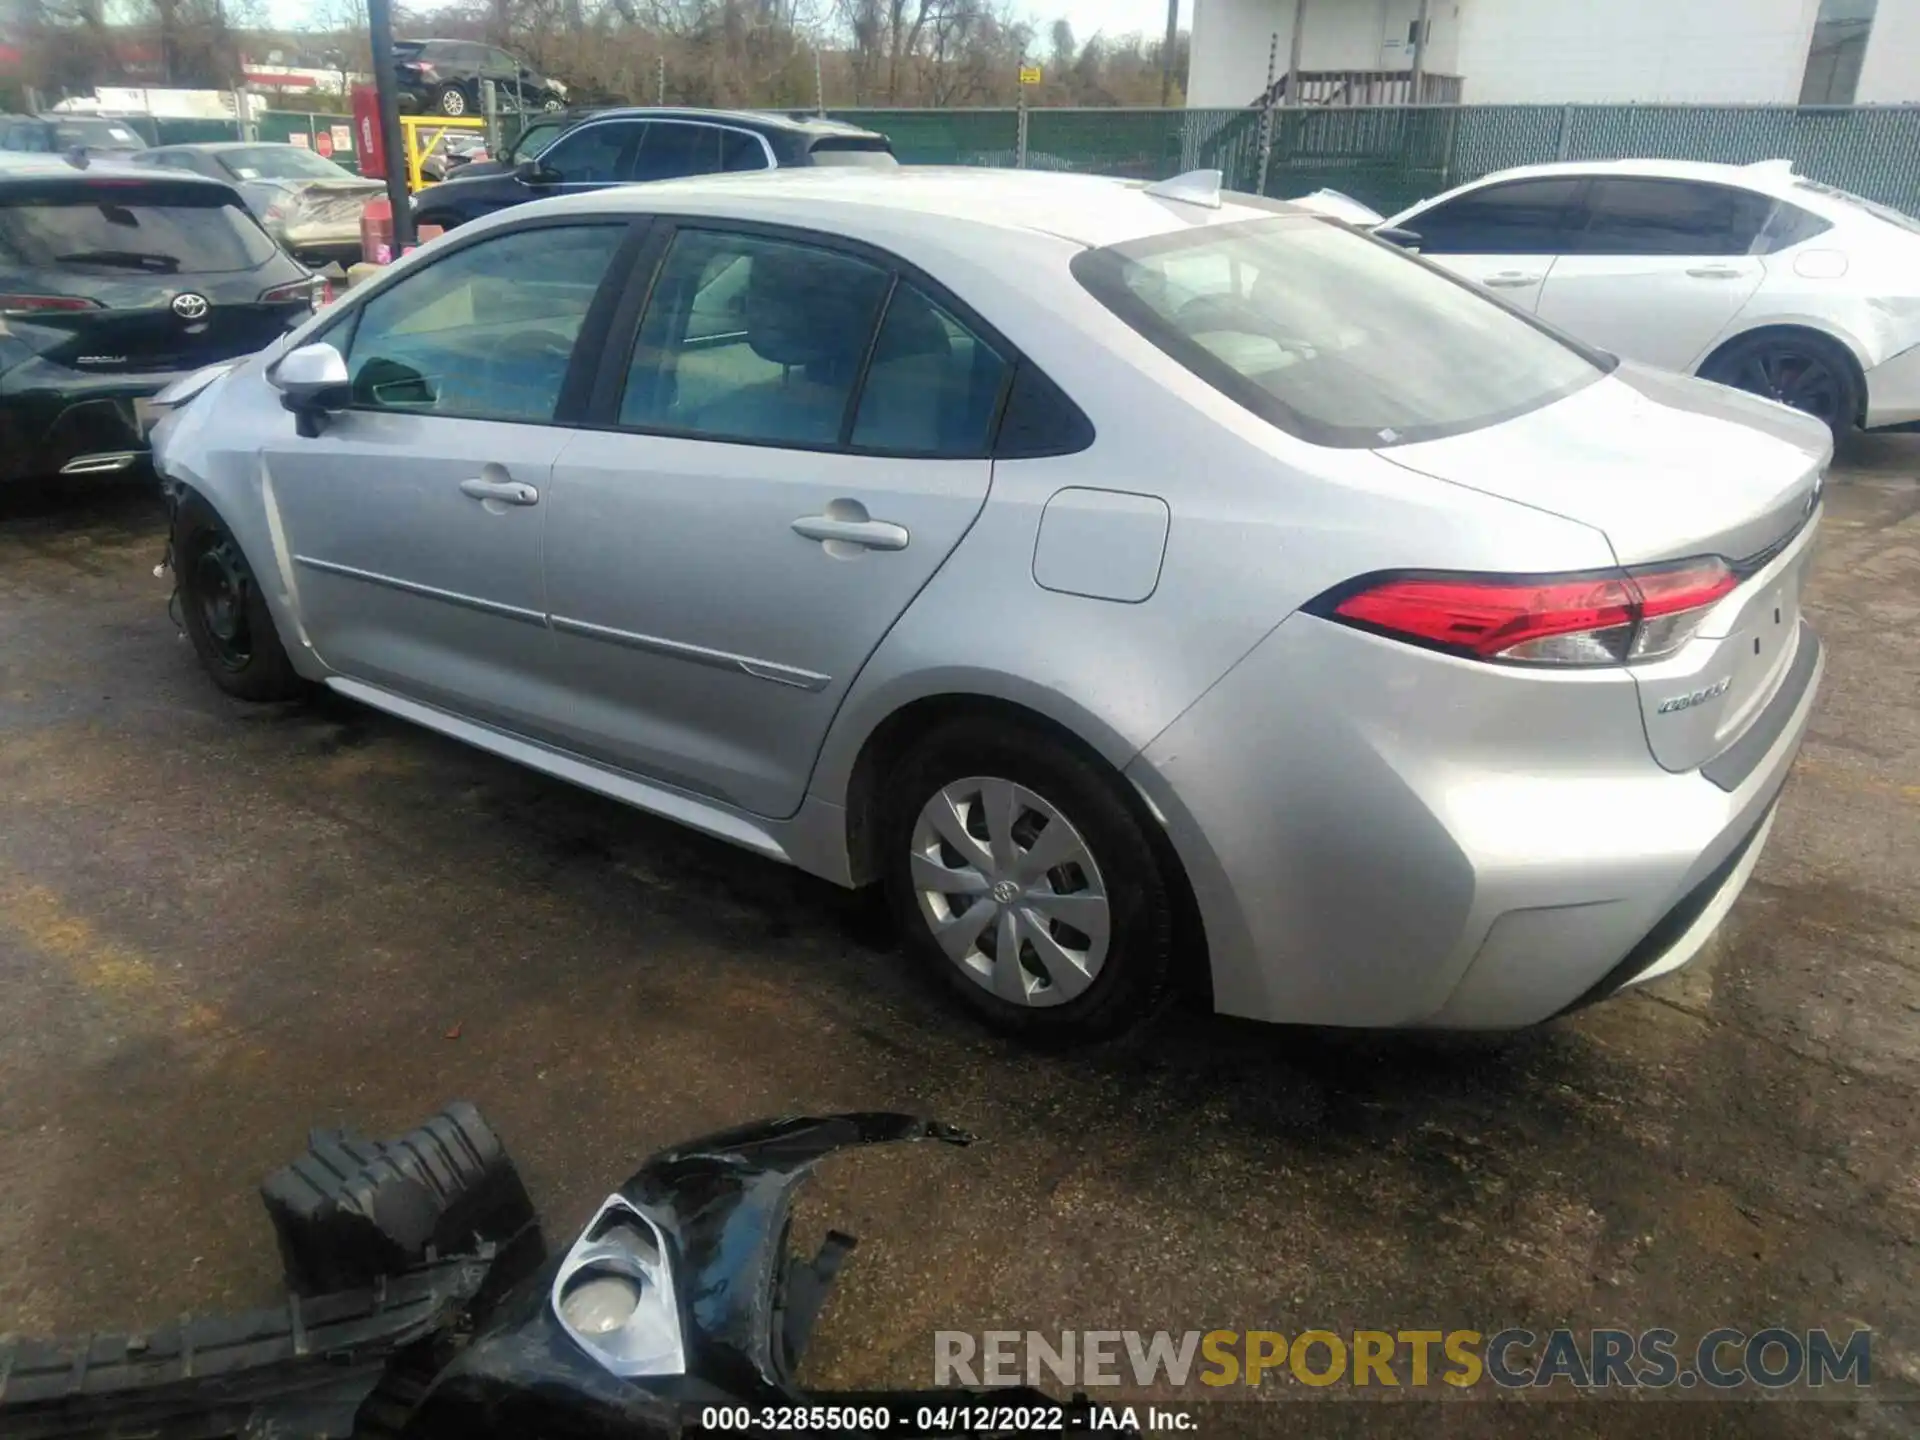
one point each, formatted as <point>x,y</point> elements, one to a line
<point>1695,697</point>
<point>189,306</point>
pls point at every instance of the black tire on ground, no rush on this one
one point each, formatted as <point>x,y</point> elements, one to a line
<point>1795,367</point>
<point>1135,982</point>
<point>451,100</point>
<point>223,611</point>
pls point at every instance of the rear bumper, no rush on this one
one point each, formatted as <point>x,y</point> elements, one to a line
<point>329,242</point>
<point>1893,391</point>
<point>1379,837</point>
<point>60,421</point>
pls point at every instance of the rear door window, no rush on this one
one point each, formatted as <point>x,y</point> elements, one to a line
<point>159,229</point>
<point>1634,216</point>
<point>671,150</point>
<point>1520,217</point>
<point>778,365</point>
<point>742,151</point>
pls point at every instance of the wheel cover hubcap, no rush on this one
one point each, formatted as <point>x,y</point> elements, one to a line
<point>1010,891</point>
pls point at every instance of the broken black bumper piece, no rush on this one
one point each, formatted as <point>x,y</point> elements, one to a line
<point>421,1305</point>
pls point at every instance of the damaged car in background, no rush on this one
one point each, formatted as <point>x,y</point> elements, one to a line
<point>309,204</point>
<point>421,1304</point>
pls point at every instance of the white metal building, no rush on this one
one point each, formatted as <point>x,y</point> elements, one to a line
<point>1560,51</point>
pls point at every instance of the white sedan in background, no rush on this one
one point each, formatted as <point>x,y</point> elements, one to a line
<point>1746,274</point>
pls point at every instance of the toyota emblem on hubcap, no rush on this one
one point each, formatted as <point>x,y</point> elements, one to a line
<point>1005,891</point>
<point>189,306</point>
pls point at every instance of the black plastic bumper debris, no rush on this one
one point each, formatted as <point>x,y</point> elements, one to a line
<point>352,1209</point>
<point>299,1371</point>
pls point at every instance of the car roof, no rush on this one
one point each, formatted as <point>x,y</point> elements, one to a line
<point>1770,177</point>
<point>799,124</point>
<point>217,145</point>
<point>15,165</point>
<point>1086,210</point>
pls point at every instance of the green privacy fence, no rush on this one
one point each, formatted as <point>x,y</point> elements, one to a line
<point>1387,157</point>
<point>1391,156</point>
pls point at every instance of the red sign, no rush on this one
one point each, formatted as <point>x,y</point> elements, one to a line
<point>323,142</point>
<point>366,131</point>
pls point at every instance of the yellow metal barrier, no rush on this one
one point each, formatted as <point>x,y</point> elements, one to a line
<point>424,134</point>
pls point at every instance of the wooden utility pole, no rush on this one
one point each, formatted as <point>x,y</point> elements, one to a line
<point>386,84</point>
<point>1166,55</point>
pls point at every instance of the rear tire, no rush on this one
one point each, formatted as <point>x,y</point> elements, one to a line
<point>452,100</point>
<point>1072,937</point>
<point>1798,368</point>
<point>224,613</point>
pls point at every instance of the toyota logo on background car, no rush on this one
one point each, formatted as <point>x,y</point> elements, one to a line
<point>189,306</point>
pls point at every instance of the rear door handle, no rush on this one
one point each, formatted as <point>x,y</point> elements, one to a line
<point>1715,272</point>
<point>1511,280</point>
<point>508,492</point>
<point>868,534</point>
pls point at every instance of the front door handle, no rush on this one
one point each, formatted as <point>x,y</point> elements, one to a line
<point>867,534</point>
<point>1511,280</point>
<point>1716,272</point>
<point>508,492</point>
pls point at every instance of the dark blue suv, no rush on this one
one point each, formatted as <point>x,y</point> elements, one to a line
<point>620,147</point>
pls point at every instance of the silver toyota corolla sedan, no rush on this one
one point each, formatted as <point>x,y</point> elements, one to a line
<point>1151,588</point>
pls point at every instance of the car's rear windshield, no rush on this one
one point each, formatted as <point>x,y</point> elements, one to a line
<point>128,226</point>
<point>1333,336</point>
<point>96,134</point>
<point>280,162</point>
<point>871,151</point>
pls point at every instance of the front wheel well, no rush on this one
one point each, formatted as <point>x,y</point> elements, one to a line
<point>894,736</point>
<point>1798,332</point>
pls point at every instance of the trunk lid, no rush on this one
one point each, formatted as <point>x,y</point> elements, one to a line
<point>327,202</point>
<point>1665,466</point>
<point>1670,468</point>
<point>143,334</point>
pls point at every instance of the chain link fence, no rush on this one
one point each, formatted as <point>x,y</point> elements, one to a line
<point>1387,156</point>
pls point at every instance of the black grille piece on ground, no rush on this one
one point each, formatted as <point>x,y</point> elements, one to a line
<point>299,1370</point>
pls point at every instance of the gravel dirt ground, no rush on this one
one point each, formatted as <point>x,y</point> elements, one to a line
<point>220,925</point>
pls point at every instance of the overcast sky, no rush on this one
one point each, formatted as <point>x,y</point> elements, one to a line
<point>1113,17</point>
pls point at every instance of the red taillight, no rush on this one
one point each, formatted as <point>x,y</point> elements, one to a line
<point>23,304</point>
<point>307,290</point>
<point>1601,618</point>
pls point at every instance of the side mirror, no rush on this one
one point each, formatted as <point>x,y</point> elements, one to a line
<point>532,172</point>
<point>312,381</point>
<point>1394,235</point>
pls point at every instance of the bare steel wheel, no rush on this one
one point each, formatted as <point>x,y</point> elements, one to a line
<point>1010,890</point>
<point>223,612</point>
<point>1024,878</point>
